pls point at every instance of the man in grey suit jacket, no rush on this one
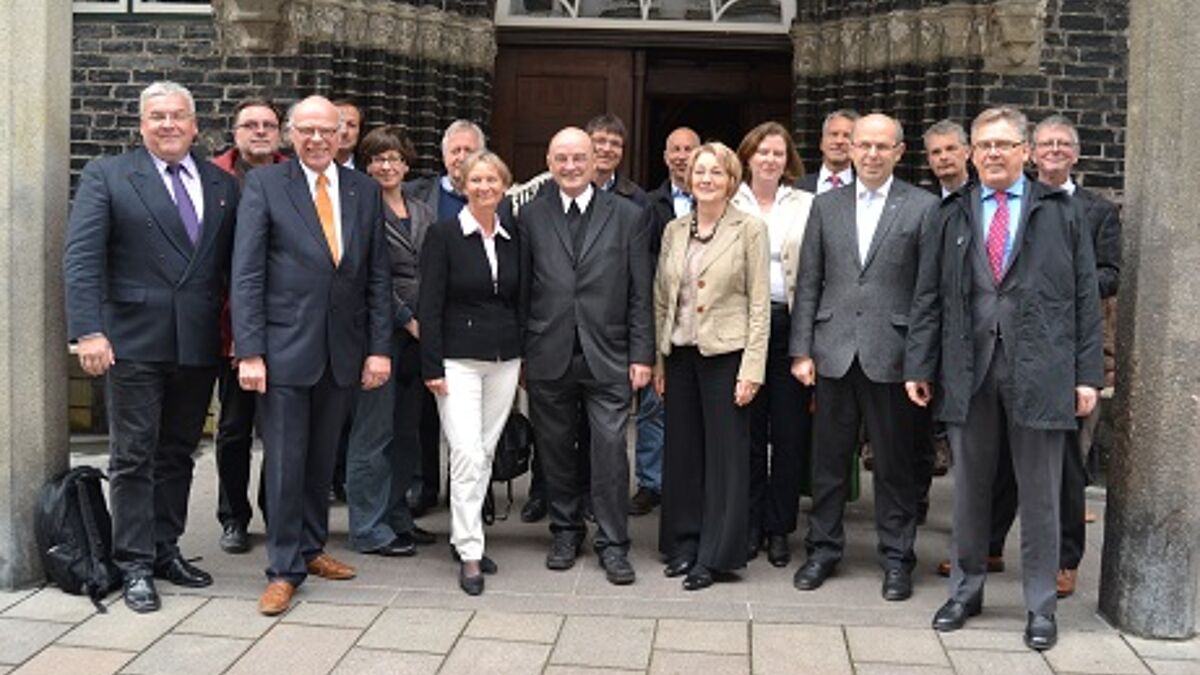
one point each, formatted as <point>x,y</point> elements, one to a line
<point>146,261</point>
<point>858,266</point>
<point>312,318</point>
<point>589,340</point>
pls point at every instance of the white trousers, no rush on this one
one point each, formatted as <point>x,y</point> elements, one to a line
<point>478,399</point>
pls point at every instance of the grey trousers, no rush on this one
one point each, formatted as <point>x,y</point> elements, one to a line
<point>1037,464</point>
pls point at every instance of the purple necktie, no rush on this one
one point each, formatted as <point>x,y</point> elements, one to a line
<point>187,210</point>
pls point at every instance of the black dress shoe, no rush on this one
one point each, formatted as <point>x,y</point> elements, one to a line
<point>534,510</point>
<point>140,594</point>
<point>678,567</point>
<point>778,552</point>
<point>698,578</point>
<point>1041,632</point>
<point>954,614</point>
<point>897,585</point>
<point>616,566</point>
<point>402,546</point>
<point>812,574</point>
<point>470,585</point>
<point>486,564</point>
<point>234,538</point>
<point>182,573</point>
<point>644,501</point>
<point>563,551</point>
<point>422,537</point>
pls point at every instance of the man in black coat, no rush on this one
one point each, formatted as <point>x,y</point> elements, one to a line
<point>589,341</point>
<point>312,318</point>
<point>146,262</point>
<point>1006,321</point>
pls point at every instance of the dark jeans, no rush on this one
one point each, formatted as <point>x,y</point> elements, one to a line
<point>235,436</point>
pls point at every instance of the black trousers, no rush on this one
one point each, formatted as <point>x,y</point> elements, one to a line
<point>156,414</point>
<point>779,420</point>
<point>301,428</point>
<point>235,436</point>
<point>553,411</point>
<point>706,462</point>
<point>583,442</point>
<point>843,405</point>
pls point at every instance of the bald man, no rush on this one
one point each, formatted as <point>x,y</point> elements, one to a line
<point>312,319</point>
<point>589,341</point>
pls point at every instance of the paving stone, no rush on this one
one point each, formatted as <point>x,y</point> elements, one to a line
<point>328,614</point>
<point>1171,650</point>
<point>982,662</point>
<point>60,660</point>
<point>584,670</point>
<point>1095,654</point>
<point>721,637</point>
<point>188,655</point>
<point>21,639</point>
<point>898,669</point>
<point>296,650</point>
<point>416,630</point>
<point>51,604</point>
<point>122,628</point>
<point>909,646</point>
<point>10,598</point>
<point>604,641</point>
<point>1164,667</point>
<point>382,662</point>
<point>777,648</point>
<point>996,641</point>
<point>227,617</point>
<point>665,662</point>
<point>514,626</point>
<point>472,657</point>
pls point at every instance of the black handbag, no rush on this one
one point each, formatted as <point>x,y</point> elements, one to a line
<point>513,453</point>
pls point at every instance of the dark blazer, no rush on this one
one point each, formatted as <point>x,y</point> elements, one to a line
<point>605,294</point>
<point>132,273</point>
<point>404,249</point>
<point>1105,225</point>
<point>660,210</point>
<point>424,190</point>
<point>845,308</point>
<point>290,303</point>
<point>629,190</point>
<point>1052,333</point>
<point>463,314</point>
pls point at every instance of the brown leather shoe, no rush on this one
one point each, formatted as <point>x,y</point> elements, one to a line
<point>995,563</point>
<point>326,567</point>
<point>277,598</point>
<point>1066,582</point>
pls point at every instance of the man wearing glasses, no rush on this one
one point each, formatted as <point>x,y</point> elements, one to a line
<point>147,258</point>
<point>858,265</point>
<point>1006,321</point>
<point>255,143</point>
<point>312,318</point>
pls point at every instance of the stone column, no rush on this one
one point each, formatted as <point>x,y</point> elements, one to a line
<point>35,86</point>
<point>1150,584</point>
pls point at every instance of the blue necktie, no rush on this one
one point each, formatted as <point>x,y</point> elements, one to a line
<point>187,210</point>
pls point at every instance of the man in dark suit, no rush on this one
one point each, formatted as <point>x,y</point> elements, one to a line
<point>1008,275</point>
<point>858,266</point>
<point>664,204</point>
<point>836,168</point>
<point>312,318</point>
<point>589,341</point>
<point>146,261</point>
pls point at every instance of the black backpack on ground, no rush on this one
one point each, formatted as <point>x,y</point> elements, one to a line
<point>74,535</point>
<point>511,461</point>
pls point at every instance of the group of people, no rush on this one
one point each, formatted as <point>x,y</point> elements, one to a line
<point>762,322</point>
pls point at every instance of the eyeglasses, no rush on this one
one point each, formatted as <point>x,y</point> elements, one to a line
<point>257,126</point>
<point>384,160</point>
<point>1055,144</point>
<point>312,132</point>
<point>879,148</point>
<point>159,118</point>
<point>1003,146</point>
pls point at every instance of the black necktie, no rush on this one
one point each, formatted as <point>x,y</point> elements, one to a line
<point>575,227</point>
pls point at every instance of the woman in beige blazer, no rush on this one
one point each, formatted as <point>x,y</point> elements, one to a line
<point>712,315</point>
<point>779,417</point>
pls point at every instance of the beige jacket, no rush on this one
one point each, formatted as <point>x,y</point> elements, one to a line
<point>733,294</point>
<point>791,210</point>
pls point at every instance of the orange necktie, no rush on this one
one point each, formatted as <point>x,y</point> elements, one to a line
<point>325,214</point>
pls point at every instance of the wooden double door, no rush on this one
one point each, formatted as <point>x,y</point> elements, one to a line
<point>719,93</point>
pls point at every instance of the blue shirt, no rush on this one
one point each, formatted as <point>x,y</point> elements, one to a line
<point>680,201</point>
<point>1016,193</point>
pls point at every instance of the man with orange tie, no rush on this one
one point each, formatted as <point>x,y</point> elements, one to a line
<point>312,318</point>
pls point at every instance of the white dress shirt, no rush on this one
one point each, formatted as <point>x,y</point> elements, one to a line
<point>583,200</point>
<point>867,211</point>
<point>191,181</point>
<point>331,186</point>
